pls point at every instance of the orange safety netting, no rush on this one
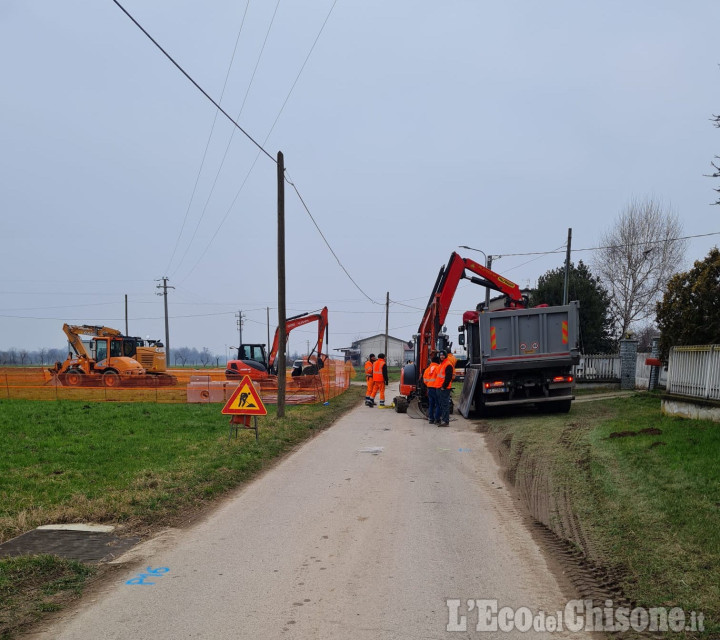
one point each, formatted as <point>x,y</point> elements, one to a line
<point>178,386</point>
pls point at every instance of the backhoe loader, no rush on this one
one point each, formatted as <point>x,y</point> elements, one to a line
<point>113,360</point>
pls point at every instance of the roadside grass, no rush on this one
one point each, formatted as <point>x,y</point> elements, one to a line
<point>645,488</point>
<point>35,585</point>
<point>137,465</point>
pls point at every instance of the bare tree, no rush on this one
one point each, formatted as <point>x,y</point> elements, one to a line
<point>639,254</point>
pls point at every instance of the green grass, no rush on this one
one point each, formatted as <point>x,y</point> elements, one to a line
<point>31,586</point>
<point>649,503</point>
<point>136,464</point>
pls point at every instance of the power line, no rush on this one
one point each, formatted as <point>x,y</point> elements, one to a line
<point>232,135</point>
<point>267,137</point>
<point>322,235</point>
<point>197,86</point>
<point>257,144</point>
<point>618,246</point>
<point>207,145</point>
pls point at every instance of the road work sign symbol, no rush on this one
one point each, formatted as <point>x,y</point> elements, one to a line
<point>245,401</point>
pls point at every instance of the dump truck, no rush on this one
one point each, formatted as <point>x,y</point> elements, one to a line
<point>519,356</point>
<point>515,355</point>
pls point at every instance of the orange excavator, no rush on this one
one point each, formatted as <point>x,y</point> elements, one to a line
<point>430,337</point>
<point>254,363</point>
<point>113,359</point>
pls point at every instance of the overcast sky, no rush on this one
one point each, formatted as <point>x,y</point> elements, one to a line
<point>414,127</point>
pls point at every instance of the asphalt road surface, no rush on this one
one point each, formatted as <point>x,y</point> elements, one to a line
<point>366,531</point>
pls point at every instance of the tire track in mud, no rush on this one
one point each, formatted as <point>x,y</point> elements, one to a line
<point>552,519</point>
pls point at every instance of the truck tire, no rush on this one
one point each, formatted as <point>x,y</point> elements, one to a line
<point>559,406</point>
<point>401,404</point>
<point>111,379</point>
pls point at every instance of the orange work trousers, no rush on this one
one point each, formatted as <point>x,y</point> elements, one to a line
<point>378,386</point>
<point>369,386</point>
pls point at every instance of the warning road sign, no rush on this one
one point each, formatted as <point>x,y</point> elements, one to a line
<point>245,401</point>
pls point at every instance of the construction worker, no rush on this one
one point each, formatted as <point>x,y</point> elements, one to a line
<point>430,379</point>
<point>446,372</point>
<point>380,380</point>
<point>369,375</point>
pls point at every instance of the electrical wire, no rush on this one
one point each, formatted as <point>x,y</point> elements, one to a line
<point>618,246</point>
<point>229,143</point>
<point>267,137</point>
<point>322,235</point>
<point>207,144</point>
<point>197,86</point>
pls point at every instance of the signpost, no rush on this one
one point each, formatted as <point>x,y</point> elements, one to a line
<point>243,404</point>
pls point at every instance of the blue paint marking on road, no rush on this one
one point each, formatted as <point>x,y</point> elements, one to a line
<point>461,450</point>
<point>149,573</point>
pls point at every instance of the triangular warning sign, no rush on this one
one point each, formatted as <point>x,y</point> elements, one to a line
<point>245,401</point>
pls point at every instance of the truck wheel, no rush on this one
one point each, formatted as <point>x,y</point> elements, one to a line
<point>74,377</point>
<point>559,406</point>
<point>111,379</point>
<point>563,406</point>
<point>401,404</point>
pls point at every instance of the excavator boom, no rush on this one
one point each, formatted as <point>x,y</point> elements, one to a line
<point>438,306</point>
<point>297,321</point>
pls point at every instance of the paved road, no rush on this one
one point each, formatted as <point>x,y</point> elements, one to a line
<point>338,542</point>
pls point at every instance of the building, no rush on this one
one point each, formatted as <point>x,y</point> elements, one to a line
<point>359,350</point>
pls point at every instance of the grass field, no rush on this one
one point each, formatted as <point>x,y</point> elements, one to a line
<point>133,464</point>
<point>645,488</point>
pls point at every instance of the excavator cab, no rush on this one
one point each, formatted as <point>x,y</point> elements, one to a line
<point>251,361</point>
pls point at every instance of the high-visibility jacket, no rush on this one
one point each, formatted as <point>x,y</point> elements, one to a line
<point>430,375</point>
<point>368,368</point>
<point>448,363</point>
<point>379,371</point>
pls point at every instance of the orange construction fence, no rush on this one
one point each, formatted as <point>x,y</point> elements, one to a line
<point>188,386</point>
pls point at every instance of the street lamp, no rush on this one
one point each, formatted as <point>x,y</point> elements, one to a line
<point>488,264</point>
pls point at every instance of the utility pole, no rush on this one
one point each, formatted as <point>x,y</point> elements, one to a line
<point>567,267</point>
<point>267,309</point>
<point>126,318</point>
<point>282,329</point>
<point>164,286</point>
<point>239,315</point>
<point>387,317</point>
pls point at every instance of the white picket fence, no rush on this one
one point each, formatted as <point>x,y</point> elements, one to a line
<point>695,371</point>
<point>605,367</point>
<point>600,367</point>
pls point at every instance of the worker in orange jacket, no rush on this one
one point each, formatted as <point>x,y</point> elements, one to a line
<point>369,375</point>
<point>446,372</point>
<point>380,379</point>
<point>430,379</point>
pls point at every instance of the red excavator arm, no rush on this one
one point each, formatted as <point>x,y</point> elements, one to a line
<point>298,321</point>
<point>442,295</point>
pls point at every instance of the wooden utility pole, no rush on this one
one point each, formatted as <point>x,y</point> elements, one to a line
<point>567,267</point>
<point>126,318</point>
<point>387,318</point>
<point>282,329</point>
